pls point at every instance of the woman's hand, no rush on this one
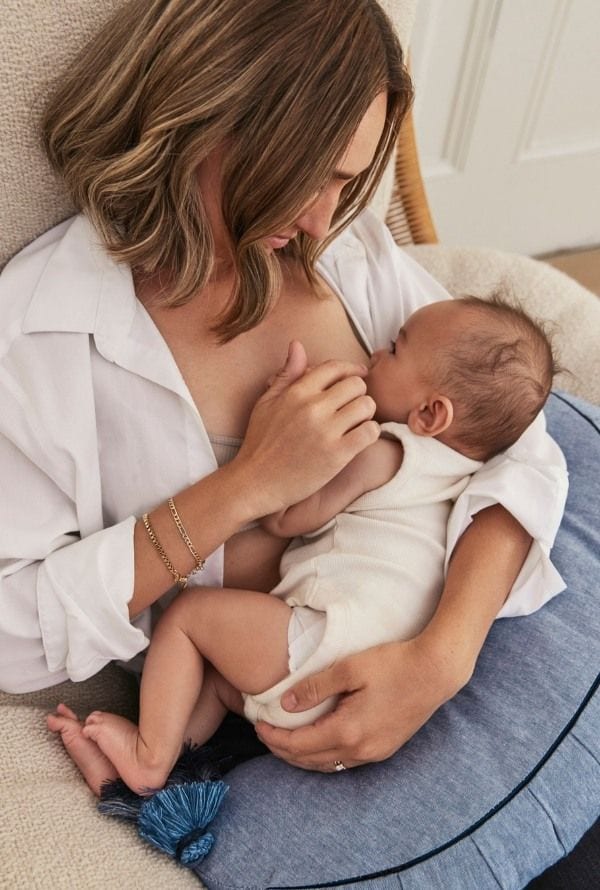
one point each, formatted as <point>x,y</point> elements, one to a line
<point>386,694</point>
<point>306,427</point>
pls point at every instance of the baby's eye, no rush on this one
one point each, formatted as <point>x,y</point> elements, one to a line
<point>392,347</point>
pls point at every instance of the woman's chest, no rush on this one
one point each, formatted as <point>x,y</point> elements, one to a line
<point>225,380</point>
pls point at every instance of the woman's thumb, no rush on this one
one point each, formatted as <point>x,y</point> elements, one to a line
<point>310,692</point>
<point>295,366</point>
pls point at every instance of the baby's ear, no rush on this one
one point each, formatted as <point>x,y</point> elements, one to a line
<point>432,417</point>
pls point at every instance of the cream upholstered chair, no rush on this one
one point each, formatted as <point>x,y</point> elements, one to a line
<point>51,834</point>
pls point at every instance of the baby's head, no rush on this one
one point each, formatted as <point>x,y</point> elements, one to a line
<point>472,373</point>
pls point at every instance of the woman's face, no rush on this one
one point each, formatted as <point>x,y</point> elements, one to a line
<point>315,218</point>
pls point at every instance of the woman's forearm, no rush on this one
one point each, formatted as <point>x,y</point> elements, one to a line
<point>481,573</point>
<point>212,511</point>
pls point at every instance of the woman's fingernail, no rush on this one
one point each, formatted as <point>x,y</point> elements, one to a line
<point>289,701</point>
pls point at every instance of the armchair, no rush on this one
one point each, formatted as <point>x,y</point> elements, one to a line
<point>482,796</point>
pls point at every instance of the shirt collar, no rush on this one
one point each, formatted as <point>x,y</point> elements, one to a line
<point>82,289</point>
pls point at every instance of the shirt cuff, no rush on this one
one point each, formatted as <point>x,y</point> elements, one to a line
<point>83,590</point>
<point>529,480</point>
<point>537,583</point>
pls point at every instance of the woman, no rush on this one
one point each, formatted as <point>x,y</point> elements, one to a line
<point>216,150</point>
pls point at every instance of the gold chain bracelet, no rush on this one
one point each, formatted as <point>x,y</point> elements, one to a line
<point>200,563</point>
<point>180,579</point>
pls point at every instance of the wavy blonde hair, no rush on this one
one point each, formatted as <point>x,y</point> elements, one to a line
<point>283,84</point>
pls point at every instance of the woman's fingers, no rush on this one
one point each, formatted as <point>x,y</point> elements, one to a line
<point>331,737</point>
<point>306,744</point>
<point>354,413</point>
<point>324,762</point>
<point>335,395</point>
<point>322,377</point>
<point>313,690</point>
<point>303,431</point>
<point>298,748</point>
<point>316,380</point>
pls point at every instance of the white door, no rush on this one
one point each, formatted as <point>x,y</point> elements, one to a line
<point>508,120</point>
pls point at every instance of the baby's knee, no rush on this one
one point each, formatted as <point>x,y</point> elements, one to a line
<point>190,605</point>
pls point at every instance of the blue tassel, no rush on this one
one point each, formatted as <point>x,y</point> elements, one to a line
<point>116,799</point>
<point>174,819</point>
<point>195,764</point>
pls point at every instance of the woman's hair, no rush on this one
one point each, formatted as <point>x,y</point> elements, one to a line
<point>498,371</point>
<point>280,85</point>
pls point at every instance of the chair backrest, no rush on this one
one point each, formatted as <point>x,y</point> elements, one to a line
<point>408,214</point>
<point>38,42</point>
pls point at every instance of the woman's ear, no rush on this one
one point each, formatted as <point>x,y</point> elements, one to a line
<point>431,417</point>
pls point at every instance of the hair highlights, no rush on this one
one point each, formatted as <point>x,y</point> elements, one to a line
<point>283,85</point>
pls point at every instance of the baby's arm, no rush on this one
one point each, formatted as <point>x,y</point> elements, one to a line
<point>370,469</point>
<point>252,560</point>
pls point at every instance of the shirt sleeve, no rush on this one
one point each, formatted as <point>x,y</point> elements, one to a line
<point>65,582</point>
<point>530,479</point>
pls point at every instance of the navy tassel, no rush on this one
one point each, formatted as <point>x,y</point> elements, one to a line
<point>116,799</point>
<point>195,764</point>
<point>174,819</point>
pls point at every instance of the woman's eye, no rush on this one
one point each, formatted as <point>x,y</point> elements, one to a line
<point>393,347</point>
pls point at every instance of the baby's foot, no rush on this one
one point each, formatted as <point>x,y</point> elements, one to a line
<point>95,767</point>
<point>120,740</point>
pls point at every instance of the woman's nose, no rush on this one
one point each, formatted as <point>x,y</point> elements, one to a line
<point>315,220</point>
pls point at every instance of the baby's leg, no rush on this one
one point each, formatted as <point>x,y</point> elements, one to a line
<point>216,698</point>
<point>242,633</point>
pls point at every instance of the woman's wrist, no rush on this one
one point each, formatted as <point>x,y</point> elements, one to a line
<point>240,491</point>
<point>252,490</point>
<point>211,511</point>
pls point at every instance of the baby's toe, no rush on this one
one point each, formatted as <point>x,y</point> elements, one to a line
<point>54,722</point>
<point>65,711</point>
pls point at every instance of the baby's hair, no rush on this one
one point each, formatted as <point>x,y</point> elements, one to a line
<point>498,373</point>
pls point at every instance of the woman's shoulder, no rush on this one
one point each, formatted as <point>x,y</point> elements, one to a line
<point>380,283</point>
<point>31,259</point>
<point>367,237</point>
<point>55,284</point>
<point>23,277</point>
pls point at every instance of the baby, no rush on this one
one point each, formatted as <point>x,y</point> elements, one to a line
<point>461,382</point>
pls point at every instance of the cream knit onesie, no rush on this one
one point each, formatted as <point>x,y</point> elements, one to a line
<point>376,570</point>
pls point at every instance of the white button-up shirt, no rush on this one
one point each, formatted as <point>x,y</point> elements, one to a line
<point>97,426</point>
